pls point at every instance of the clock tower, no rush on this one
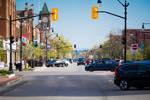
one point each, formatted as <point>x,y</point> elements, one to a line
<point>45,15</point>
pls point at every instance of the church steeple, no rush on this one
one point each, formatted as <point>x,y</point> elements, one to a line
<point>45,9</point>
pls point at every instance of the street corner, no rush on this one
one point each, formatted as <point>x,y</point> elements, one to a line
<point>9,82</point>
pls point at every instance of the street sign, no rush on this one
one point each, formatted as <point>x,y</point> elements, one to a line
<point>134,46</point>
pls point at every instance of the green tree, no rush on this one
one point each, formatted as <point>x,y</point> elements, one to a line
<point>38,52</point>
<point>60,47</point>
<point>147,53</point>
<point>137,56</point>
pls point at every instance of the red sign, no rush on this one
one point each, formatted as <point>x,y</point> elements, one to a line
<point>134,46</point>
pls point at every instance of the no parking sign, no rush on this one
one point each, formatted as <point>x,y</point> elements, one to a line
<point>134,48</point>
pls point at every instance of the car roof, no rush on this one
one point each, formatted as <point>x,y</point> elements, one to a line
<point>144,61</point>
<point>135,63</point>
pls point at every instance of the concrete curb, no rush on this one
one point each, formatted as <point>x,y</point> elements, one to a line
<point>11,85</point>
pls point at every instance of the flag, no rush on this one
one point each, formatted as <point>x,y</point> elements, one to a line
<point>25,39</point>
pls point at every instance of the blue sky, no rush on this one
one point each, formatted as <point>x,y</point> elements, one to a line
<point>75,21</point>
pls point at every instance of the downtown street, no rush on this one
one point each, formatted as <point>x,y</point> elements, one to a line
<point>70,83</point>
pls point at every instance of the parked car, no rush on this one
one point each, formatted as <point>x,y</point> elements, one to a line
<point>66,62</point>
<point>60,63</point>
<point>132,75</point>
<point>81,61</point>
<point>108,65</point>
<point>57,63</point>
<point>51,63</point>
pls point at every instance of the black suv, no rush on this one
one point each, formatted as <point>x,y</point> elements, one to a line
<point>133,74</point>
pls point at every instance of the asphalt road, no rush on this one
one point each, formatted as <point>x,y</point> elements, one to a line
<point>71,83</point>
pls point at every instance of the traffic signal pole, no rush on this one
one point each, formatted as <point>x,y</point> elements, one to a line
<point>125,5</point>
<point>125,29</point>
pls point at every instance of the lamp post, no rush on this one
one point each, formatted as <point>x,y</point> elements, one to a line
<point>45,29</point>
<point>10,39</point>
<point>125,5</point>
<point>21,21</point>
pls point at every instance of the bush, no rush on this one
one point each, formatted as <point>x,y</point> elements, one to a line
<point>4,72</point>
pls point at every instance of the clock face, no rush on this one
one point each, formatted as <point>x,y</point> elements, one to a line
<point>45,19</point>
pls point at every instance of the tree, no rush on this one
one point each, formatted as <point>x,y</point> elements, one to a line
<point>38,52</point>
<point>147,53</point>
<point>60,47</point>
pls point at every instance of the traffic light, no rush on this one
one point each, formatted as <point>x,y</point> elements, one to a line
<point>75,45</point>
<point>123,40</point>
<point>54,14</point>
<point>100,46</point>
<point>35,44</point>
<point>95,12</point>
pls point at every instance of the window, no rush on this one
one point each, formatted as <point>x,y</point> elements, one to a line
<point>131,67</point>
<point>144,68</point>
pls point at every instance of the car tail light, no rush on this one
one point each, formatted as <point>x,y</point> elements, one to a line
<point>116,72</point>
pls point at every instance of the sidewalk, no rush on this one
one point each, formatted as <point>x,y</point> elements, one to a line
<point>7,83</point>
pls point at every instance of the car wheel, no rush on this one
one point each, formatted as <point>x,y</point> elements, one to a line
<point>124,85</point>
<point>66,65</point>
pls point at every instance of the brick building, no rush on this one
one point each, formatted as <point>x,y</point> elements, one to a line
<point>27,29</point>
<point>138,36</point>
<point>7,8</point>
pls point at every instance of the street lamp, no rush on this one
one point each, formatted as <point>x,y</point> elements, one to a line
<point>125,5</point>
<point>45,29</point>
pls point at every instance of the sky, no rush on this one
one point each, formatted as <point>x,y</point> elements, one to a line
<point>76,24</point>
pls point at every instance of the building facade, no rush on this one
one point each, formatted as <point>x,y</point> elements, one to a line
<point>7,8</point>
<point>138,36</point>
<point>27,25</point>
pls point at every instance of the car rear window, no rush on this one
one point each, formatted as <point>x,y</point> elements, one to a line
<point>130,67</point>
<point>143,67</point>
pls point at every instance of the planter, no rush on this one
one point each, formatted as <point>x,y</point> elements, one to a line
<point>8,76</point>
<point>11,75</point>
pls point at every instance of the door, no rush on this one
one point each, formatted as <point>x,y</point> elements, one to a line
<point>144,71</point>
